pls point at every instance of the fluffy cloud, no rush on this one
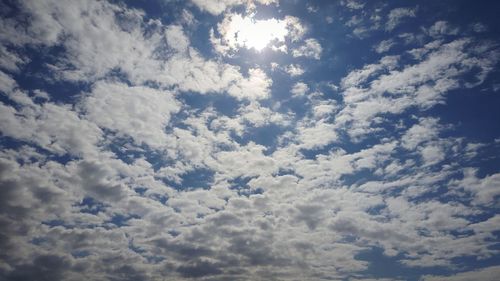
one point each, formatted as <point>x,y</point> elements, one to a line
<point>217,7</point>
<point>485,191</point>
<point>311,49</point>
<point>421,85</point>
<point>384,46</point>
<point>256,86</point>
<point>397,15</point>
<point>34,123</point>
<point>299,89</point>
<point>353,5</point>
<point>138,112</point>
<point>294,70</point>
<point>441,28</point>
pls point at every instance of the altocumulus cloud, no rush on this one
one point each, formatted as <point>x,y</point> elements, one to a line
<point>249,140</point>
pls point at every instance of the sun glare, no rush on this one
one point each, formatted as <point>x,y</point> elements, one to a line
<point>254,34</point>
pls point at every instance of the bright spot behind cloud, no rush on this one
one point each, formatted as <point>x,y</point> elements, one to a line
<point>239,31</point>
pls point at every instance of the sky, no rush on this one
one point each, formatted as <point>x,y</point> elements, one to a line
<point>249,140</point>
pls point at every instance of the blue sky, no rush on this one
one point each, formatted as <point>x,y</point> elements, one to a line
<point>249,140</point>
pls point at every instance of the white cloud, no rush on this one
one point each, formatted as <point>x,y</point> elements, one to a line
<point>294,70</point>
<point>10,60</point>
<point>397,15</point>
<point>94,44</point>
<point>427,129</point>
<point>7,84</point>
<point>441,28</point>
<point>56,128</point>
<point>384,46</point>
<point>325,109</point>
<point>247,162</point>
<point>219,6</point>
<point>295,28</point>
<point>107,183</point>
<point>485,190</point>
<point>125,46</point>
<point>299,89</point>
<point>141,113</point>
<point>353,4</point>
<point>422,85</point>
<point>258,115</point>
<point>191,72</point>
<point>216,7</point>
<point>311,49</point>
<point>316,135</point>
<point>176,38</point>
<point>256,86</point>
<point>419,53</point>
<point>356,78</point>
<point>432,154</point>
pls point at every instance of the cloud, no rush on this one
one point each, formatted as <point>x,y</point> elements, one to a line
<point>311,49</point>
<point>247,162</point>
<point>44,267</point>
<point>258,115</point>
<point>256,86</point>
<point>132,150</point>
<point>397,15</point>
<point>358,77</point>
<point>316,136</point>
<point>7,84</point>
<point>441,28</point>
<point>11,60</point>
<point>217,7</point>
<point>35,123</point>
<point>176,38</point>
<point>95,181</point>
<point>353,4</point>
<point>299,89</point>
<point>427,129</point>
<point>94,44</point>
<point>487,274</point>
<point>421,85</point>
<point>138,112</point>
<point>294,70</point>
<point>432,154</point>
<point>384,46</point>
<point>237,31</point>
<point>484,190</point>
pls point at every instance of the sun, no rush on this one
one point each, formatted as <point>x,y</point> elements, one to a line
<point>245,31</point>
<point>258,34</point>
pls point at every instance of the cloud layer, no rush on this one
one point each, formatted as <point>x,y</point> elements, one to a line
<point>202,147</point>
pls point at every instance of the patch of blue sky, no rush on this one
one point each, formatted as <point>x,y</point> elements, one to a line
<point>193,179</point>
